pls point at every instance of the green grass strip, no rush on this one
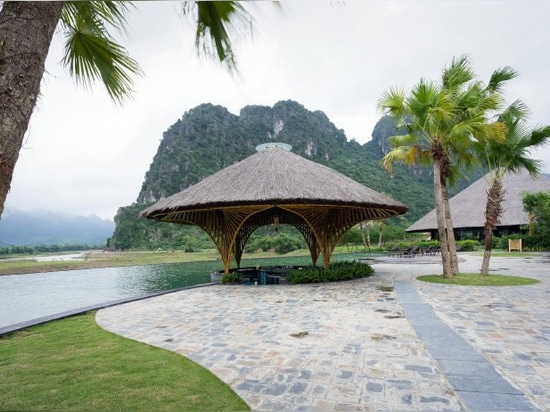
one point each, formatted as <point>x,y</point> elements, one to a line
<point>73,364</point>
<point>475,279</point>
<point>505,253</point>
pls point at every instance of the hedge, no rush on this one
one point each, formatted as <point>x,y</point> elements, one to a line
<point>335,272</point>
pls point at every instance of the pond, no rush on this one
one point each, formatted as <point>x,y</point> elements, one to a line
<point>27,297</point>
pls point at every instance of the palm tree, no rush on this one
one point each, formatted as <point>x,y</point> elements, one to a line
<point>473,100</point>
<point>91,54</point>
<point>441,120</point>
<point>423,112</point>
<point>508,156</point>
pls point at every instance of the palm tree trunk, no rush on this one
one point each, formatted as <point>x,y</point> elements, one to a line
<point>451,242</point>
<point>493,211</point>
<point>26,31</point>
<point>440,213</point>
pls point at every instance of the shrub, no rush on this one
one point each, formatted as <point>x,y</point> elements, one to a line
<point>468,245</point>
<point>231,277</point>
<point>336,271</point>
<point>284,243</point>
<point>406,245</point>
<point>536,242</point>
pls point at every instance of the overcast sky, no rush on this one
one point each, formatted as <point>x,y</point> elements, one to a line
<point>84,155</point>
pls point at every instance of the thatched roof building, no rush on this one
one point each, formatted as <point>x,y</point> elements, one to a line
<point>468,207</point>
<point>275,186</point>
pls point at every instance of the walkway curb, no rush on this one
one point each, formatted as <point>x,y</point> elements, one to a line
<point>474,379</point>
<point>6,330</point>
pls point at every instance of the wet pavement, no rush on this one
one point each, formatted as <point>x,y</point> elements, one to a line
<point>388,342</point>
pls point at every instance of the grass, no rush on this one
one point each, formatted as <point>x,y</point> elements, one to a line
<point>103,259</point>
<point>505,253</point>
<point>475,279</point>
<point>94,260</point>
<point>73,364</point>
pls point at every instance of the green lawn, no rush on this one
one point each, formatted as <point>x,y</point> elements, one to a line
<point>73,364</point>
<point>475,279</point>
<point>505,253</point>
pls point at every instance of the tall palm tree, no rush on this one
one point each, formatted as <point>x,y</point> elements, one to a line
<point>424,113</point>
<point>474,101</point>
<point>441,121</point>
<point>91,54</point>
<point>508,156</point>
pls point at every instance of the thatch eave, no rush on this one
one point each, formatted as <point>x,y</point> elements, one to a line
<point>275,186</point>
<point>468,206</point>
<point>159,212</point>
<point>275,176</point>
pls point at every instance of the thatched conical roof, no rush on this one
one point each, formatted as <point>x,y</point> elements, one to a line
<point>270,187</point>
<point>276,176</point>
<point>468,206</point>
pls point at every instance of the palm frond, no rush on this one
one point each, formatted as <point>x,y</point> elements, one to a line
<point>403,140</point>
<point>514,152</point>
<point>499,77</point>
<point>111,12</point>
<point>214,20</point>
<point>517,110</point>
<point>392,102</point>
<point>457,74</point>
<point>533,166</point>
<point>540,136</point>
<point>91,54</point>
<point>408,155</point>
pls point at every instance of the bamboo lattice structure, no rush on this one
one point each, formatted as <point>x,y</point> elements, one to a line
<point>275,187</point>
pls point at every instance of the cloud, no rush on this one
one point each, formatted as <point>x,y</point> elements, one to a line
<point>84,155</point>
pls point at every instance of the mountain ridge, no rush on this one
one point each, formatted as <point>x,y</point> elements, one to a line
<point>208,138</point>
<point>46,227</point>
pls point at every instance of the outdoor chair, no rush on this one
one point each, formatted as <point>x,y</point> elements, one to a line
<point>408,253</point>
<point>413,251</point>
<point>396,252</point>
<point>431,250</point>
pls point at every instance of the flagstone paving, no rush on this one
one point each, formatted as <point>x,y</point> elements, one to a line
<point>352,345</point>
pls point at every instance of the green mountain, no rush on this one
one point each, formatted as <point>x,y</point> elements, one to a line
<point>209,138</point>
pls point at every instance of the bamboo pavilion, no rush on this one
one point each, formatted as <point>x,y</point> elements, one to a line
<point>275,186</point>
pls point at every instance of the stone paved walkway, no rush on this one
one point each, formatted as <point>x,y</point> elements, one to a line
<point>348,345</point>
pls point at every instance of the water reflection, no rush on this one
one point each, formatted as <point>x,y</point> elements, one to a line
<point>27,297</point>
<point>157,278</point>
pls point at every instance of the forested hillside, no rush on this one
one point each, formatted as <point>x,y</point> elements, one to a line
<point>209,138</point>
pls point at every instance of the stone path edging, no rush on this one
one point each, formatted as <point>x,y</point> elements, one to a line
<point>473,378</point>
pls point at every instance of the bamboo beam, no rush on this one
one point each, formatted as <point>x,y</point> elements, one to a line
<point>322,226</point>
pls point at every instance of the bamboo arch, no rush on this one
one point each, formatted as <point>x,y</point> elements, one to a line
<point>275,186</point>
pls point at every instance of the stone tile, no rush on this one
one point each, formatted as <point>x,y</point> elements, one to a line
<point>362,350</point>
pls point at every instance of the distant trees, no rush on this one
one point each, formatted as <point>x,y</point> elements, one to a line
<point>365,230</point>
<point>32,250</point>
<point>135,232</point>
<point>285,239</point>
<point>537,205</point>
